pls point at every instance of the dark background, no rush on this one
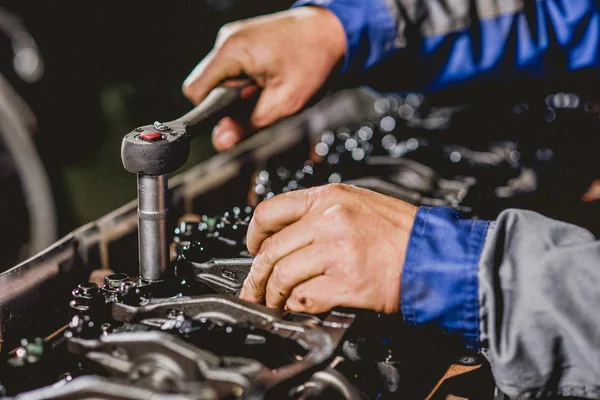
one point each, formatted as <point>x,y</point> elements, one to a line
<point>111,66</point>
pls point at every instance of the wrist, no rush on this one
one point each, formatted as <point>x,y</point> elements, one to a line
<point>329,29</point>
<point>334,32</point>
<point>406,218</point>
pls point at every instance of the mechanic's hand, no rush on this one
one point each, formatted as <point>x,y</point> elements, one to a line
<point>334,245</point>
<point>290,54</point>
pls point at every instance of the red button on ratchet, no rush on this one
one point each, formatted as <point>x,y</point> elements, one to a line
<point>151,136</point>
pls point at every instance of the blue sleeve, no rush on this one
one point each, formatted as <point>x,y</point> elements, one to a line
<point>466,41</point>
<point>439,280</point>
<point>369,26</point>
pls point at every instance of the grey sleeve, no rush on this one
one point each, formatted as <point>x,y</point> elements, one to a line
<point>539,291</point>
<point>442,17</point>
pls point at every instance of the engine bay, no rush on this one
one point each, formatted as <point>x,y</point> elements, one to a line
<point>77,322</point>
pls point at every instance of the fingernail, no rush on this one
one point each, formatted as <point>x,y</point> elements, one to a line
<point>226,139</point>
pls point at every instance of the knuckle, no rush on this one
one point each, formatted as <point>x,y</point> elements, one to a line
<point>326,194</point>
<point>280,276</point>
<point>334,192</point>
<point>268,250</point>
<point>187,91</point>
<point>259,219</point>
<point>337,188</point>
<point>191,93</point>
<point>261,213</point>
<point>251,287</point>
<point>228,30</point>
<point>340,215</point>
<point>229,45</point>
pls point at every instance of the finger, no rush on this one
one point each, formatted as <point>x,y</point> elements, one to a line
<point>288,240</point>
<point>280,211</point>
<point>221,63</point>
<point>593,192</point>
<point>275,102</point>
<point>315,296</point>
<point>294,269</point>
<point>227,133</point>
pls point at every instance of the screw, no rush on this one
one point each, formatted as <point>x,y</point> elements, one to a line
<point>105,328</point>
<point>160,127</point>
<point>88,288</point>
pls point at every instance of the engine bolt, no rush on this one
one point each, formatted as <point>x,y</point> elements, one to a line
<point>88,288</point>
<point>114,281</point>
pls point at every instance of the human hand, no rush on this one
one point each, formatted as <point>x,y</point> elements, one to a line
<point>289,54</point>
<point>328,246</point>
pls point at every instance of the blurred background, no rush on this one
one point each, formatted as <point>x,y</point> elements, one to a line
<point>108,67</point>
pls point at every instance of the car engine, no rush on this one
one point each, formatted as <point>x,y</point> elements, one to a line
<point>77,322</point>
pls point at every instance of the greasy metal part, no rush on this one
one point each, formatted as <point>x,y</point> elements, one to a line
<point>152,227</point>
<point>113,282</point>
<point>166,152</point>
<point>226,275</point>
<point>29,290</point>
<point>329,378</point>
<point>319,338</point>
<point>165,363</point>
<point>96,387</point>
<point>151,153</point>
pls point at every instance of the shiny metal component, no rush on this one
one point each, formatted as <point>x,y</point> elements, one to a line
<point>326,379</point>
<point>86,289</point>
<point>166,364</point>
<point>114,281</point>
<point>159,126</point>
<point>226,275</point>
<point>96,387</point>
<point>319,337</point>
<point>152,227</point>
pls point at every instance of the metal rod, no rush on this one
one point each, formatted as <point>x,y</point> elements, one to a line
<point>152,226</point>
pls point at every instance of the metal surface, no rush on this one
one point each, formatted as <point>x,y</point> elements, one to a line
<point>139,156</point>
<point>224,274</point>
<point>95,387</point>
<point>319,337</point>
<point>152,227</point>
<point>157,157</point>
<point>330,378</point>
<point>164,363</point>
<point>34,295</point>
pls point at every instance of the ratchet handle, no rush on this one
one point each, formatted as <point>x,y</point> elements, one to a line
<point>225,100</point>
<point>161,148</point>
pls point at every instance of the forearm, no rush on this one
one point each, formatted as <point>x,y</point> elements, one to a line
<point>462,42</point>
